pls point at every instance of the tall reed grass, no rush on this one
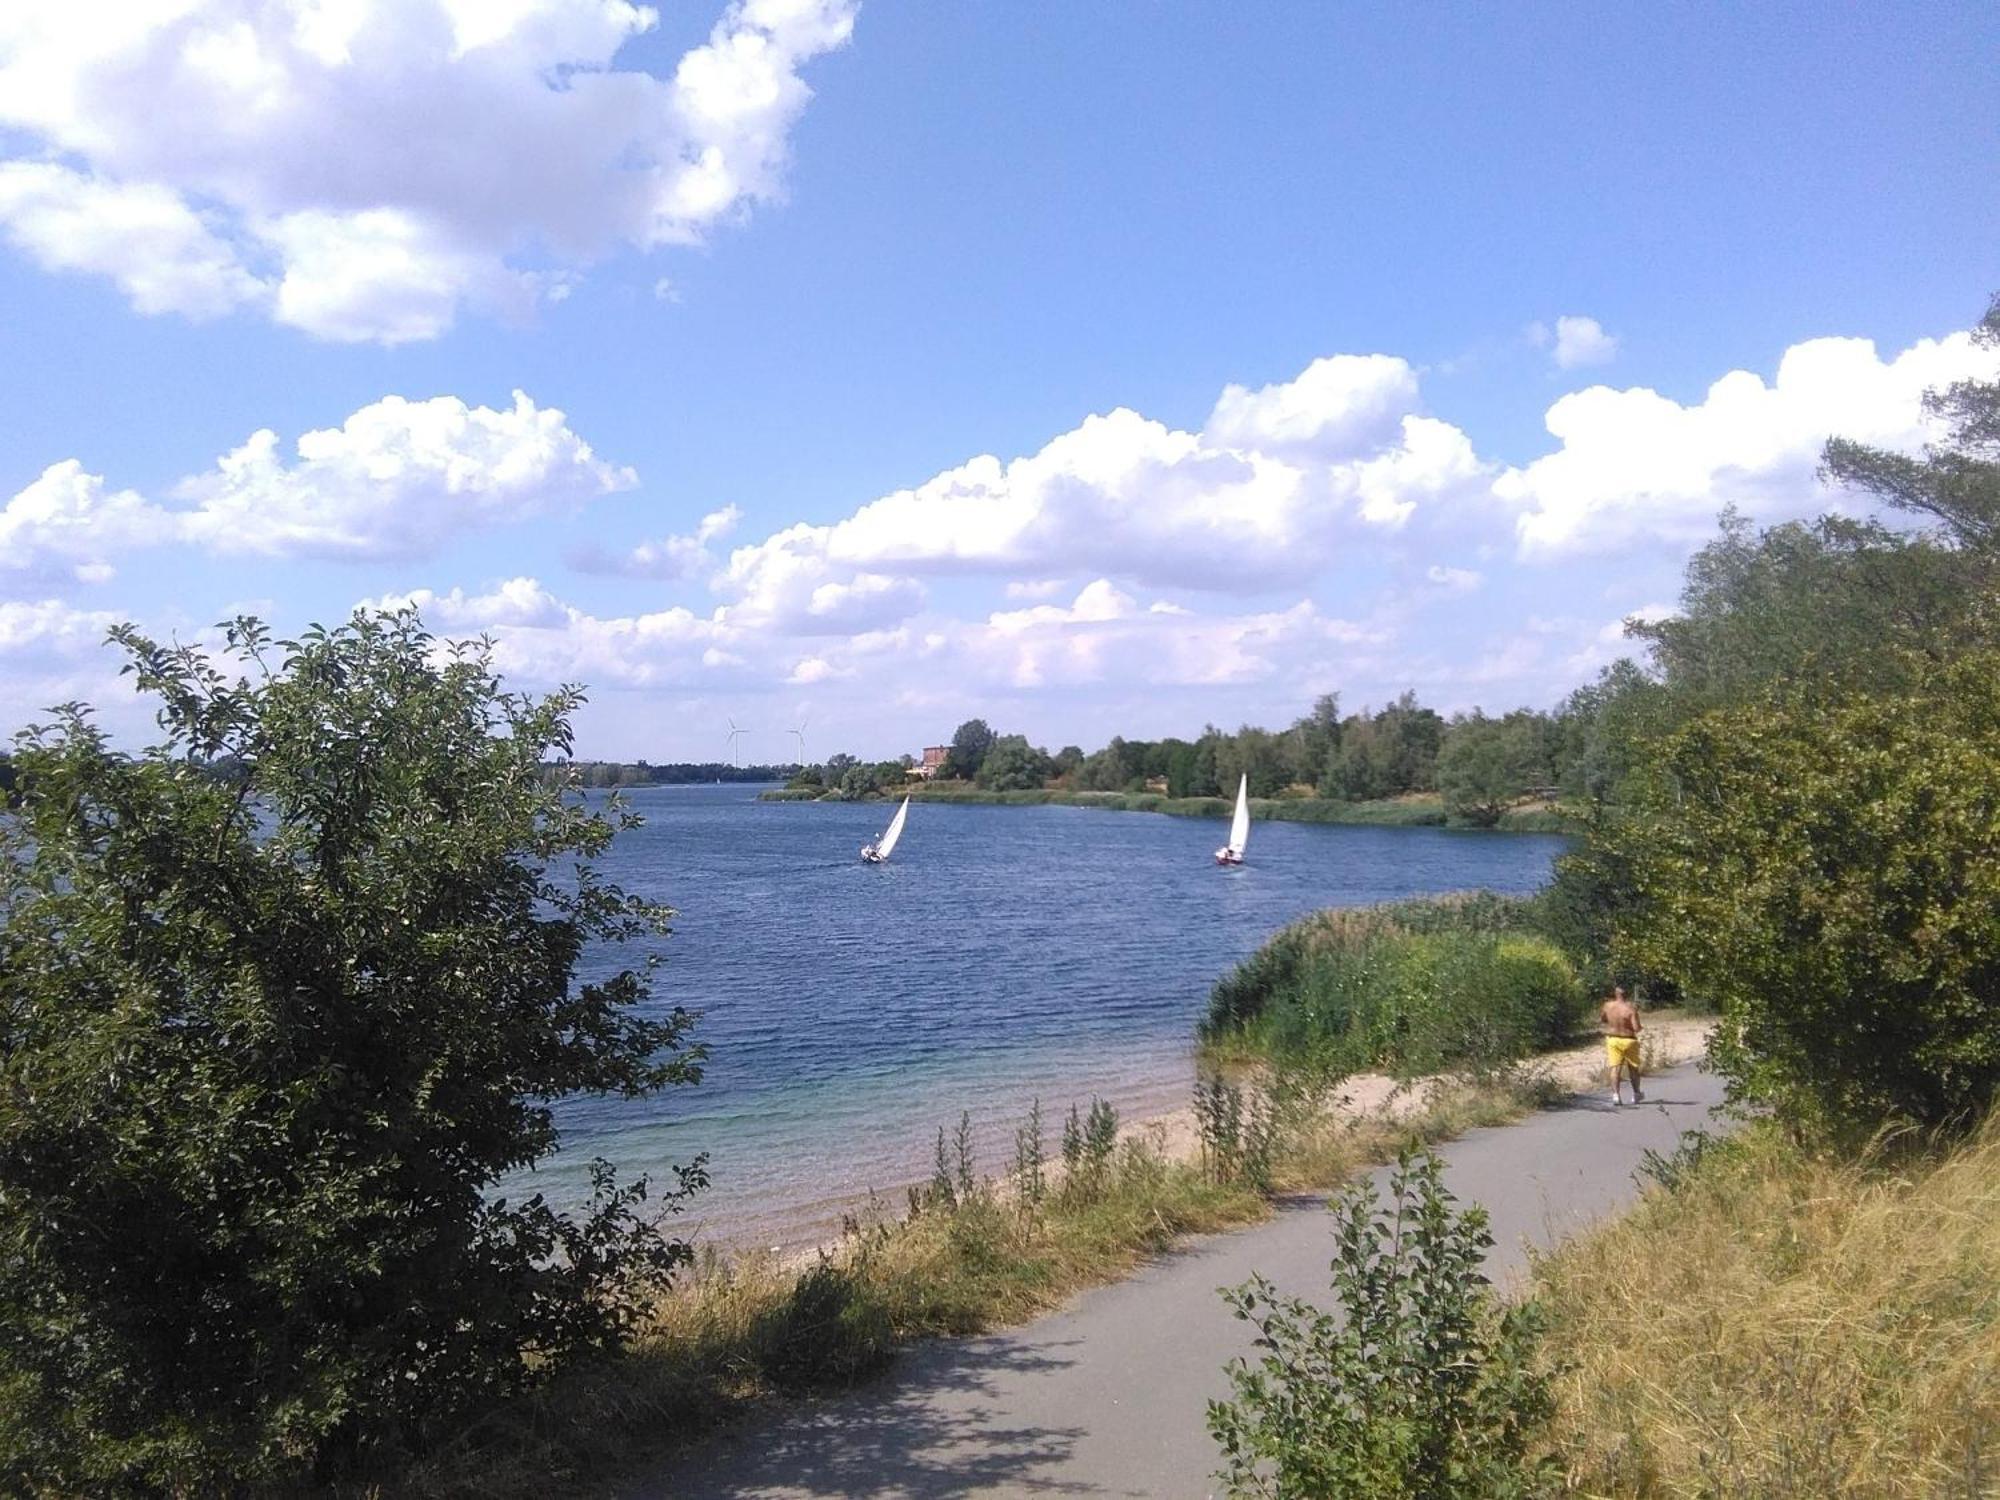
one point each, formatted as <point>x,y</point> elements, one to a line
<point>1413,987</point>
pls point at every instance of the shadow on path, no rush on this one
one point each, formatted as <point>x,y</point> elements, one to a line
<point>933,1430</point>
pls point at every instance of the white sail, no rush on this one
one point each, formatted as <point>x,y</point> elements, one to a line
<point>887,846</point>
<point>1239,826</point>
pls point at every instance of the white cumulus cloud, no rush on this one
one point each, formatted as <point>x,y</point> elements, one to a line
<point>1576,342</point>
<point>540,640</point>
<point>671,557</point>
<point>396,479</point>
<point>1454,580</point>
<point>47,629</point>
<point>1635,467</point>
<point>66,524</point>
<point>1272,488</point>
<point>363,169</point>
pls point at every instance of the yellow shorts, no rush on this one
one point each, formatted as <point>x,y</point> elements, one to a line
<point>1622,1049</point>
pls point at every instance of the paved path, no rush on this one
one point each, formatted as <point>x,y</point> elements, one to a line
<point>1109,1397</point>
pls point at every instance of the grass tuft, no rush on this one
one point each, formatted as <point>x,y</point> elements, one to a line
<point>1788,1324</point>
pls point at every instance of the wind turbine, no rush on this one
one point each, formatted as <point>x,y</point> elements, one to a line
<point>735,749</point>
<point>798,733</point>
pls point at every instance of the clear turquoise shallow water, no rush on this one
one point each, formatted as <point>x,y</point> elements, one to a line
<point>1005,952</point>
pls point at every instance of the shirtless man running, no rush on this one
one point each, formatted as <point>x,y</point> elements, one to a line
<point>1621,1041</point>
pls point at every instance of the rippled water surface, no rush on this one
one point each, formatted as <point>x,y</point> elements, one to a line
<point>1005,952</point>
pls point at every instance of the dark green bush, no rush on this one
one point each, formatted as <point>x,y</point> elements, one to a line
<point>1827,870</point>
<point>267,1040</point>
<point>832,1331</point>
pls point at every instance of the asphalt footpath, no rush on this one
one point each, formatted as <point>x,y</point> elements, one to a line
<point>1108,1397</point>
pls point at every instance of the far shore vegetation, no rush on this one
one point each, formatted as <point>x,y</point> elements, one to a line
<point>596,774</point>
<point>1404,764</point>
<point>269,1040</point>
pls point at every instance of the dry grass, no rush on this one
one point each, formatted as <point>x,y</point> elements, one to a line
<point>739,1334</point>
<point>1788,1325</point>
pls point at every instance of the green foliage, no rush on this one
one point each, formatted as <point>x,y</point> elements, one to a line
<point>970,743</point>
<point>267,1041</point>
<point>1012,764</point>
<point>830,1332</point>
<point>1240,1140</point>
<point>1414,987</point>
<point>1322,762</point>
<point>1088,1144</point>
<point>1848,604</point>
<point>1827,872</point>
<point>1113,769</point>
<point>1030,1160</point>
<point>859,780</point>
<point>1386,754</point>
<point>1416,1385</point>
<point>1484,765</point>
<point>608,773</point>
<point>1956,483</point>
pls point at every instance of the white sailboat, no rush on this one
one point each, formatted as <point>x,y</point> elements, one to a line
<point>879,851</point>
<point>1231,853</point>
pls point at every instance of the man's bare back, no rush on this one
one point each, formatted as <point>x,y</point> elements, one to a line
<point>1620,1016</point>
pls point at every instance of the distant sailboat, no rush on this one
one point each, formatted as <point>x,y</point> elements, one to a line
<point>879,851</point>
<point>1231,853</point>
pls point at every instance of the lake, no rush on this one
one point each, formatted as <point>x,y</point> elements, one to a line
<point>1005,953</point>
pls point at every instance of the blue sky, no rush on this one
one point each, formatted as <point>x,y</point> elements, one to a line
<point>771,263</point>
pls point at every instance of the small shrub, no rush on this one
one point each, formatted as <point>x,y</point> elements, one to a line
<point>941,1192</point>
<point>962,1151</point>
<point>1030,1180</point>
<point>1218,1120</point>
<point>1678,1167</point>
<point>830,1332</point>
<point>1414,1387</point>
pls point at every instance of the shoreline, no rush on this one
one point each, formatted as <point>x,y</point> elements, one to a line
<point>1174,1136</point>
<point>1423,810</point>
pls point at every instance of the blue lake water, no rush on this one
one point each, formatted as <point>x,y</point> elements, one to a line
<point>1005,953</point>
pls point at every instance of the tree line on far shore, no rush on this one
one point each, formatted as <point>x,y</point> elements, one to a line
<point>614,773</point>
<point>1480,765</point>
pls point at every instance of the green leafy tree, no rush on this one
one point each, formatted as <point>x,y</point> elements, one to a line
<point>1013,765</point>
<point>1486,764</point>
<point>1827,872</point>
<point>268,1042</point>
<point>1257,754</point>
<point>970,743</point>
<point>1956,483</point>
<point>1415,1386</point>
<point>1414,734</point>
<point>1112,769</point>
<point>1848,603</point>
<point>1068,759</point>
<point>861,780</point>
<point>1204,779</point>
<point>1314,740</point>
